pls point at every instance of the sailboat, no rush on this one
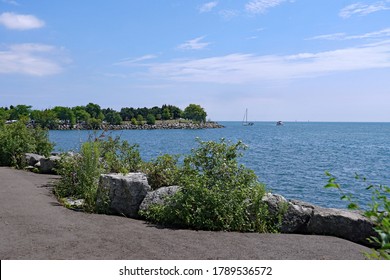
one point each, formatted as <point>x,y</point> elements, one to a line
<point>245,120</point>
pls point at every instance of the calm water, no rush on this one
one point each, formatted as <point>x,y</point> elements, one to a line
<point>290,159</point>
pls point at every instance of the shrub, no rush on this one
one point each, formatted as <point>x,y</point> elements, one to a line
<point>134,121</point>
<point>163,171</point>
<point>150,119</point>
<point>80,173</point>
<point>379,212</point>
<point>119,156</point>
<point>217,193</point>
<point>16,140</point>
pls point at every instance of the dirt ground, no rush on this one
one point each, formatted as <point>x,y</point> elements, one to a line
<point>33,225</point>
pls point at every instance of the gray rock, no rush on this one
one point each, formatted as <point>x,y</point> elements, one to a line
<point>122,194</point>
<point>47,165</point>
<point>32,159</point>
<point>158,196</point>
<point>74,203</point>
<point>304,218</point>
<point>296,217</point>
<point>350,225</point>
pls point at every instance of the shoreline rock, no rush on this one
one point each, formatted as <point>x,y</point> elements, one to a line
<point>304,218</point>
<point>128,126</point>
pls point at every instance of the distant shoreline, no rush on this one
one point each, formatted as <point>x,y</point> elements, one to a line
<point>129,126</point>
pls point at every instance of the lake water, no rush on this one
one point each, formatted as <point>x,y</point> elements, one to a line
<point>290,159</point>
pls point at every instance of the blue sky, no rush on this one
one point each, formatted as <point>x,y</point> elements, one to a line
<point>282,59</point>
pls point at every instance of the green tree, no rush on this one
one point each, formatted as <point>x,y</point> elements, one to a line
<point>166,114</point>
<point>94,111</point>
<point>94,124</point>
<point>195,112</point>
<point>176,113</point>
<point>65,114</point>
<point>150,119</point>
<point>45,119</point>
<point>20,111</point>
<point>16,140</point>
<point>127,113</point>
<point>113,118</point>
<point>134,121</point>
<point>140,119</point>
<point>81,114</point>
<point>4,114</point>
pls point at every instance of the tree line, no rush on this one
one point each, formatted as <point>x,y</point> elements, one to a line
<point>93,115</point>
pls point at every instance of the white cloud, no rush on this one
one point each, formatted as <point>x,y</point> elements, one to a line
<point>20,22</point>
<point>241,68</point>
<point>130,61</point>
<point>343,36</point>
<point>194,44</point>
<point>228,14</point>
<point>207,7</point>
<point>364,9</point>
<point>261,6</point>
<point>30,59</point>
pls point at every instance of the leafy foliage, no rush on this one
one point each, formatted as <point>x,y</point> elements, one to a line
<point>379,212</point>
<point>80,173</point>
<point>195,112</point>
<point>16,140</point>
<point>163,171</point>
<point>119,156</point>
<point>217,193</point>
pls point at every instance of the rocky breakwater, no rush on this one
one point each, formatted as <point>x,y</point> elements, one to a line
<point>126,195</point>
<point>129,126</point>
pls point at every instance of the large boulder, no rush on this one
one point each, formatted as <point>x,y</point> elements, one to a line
<point>350,225</point>
<point>122,194</point>
<point>296,217</point>
<point>304,218</point>
<point>48,165</point>
<point>158,196</point>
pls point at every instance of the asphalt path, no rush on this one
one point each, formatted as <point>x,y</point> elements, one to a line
<point>33,225</point>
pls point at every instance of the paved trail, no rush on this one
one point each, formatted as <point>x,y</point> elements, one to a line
<point>34,226</point>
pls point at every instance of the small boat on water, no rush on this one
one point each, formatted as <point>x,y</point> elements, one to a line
<point>245,120</point>
<point>279,123</point>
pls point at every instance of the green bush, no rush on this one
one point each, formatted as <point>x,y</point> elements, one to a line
<point>379,212</point>
<point>150,119</point>
<point>162,172</point>
<point>217,193</point>
<point>119,156</point>
<point>80,173</point>
<point>16,140</point>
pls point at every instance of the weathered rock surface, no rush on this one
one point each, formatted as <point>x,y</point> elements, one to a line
<point>47,165</point>
<point>305,218</point>
<point>32,159</point>
<point>158,196</point>
<point>122,194</point>
<point>346,224</point>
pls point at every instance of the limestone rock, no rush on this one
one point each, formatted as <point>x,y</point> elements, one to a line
<point>350,225</point>
<point>122,194</point>
<point>47,165</point>
<point>296,217</point>
<point>304,218</point>
<point>158,196</point>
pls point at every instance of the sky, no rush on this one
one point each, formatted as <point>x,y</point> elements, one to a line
<point>290,60</point>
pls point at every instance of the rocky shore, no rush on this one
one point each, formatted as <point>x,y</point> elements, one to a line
<point>129,126</point>
<point>125,195</point>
